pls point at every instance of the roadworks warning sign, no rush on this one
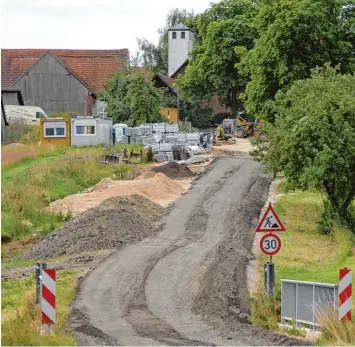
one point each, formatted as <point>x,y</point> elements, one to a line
<point>270,222</point>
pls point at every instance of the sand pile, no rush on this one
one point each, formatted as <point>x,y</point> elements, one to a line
<point>111,225</point>
<point>159,189</point>
<point>174,170</point>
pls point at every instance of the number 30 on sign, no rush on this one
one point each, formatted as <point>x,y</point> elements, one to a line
<point>270,244</point>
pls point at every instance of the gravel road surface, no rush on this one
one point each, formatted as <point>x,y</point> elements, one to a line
<point>186,285</point>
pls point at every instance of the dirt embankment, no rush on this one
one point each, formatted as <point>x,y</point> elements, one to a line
<point>111,225</point>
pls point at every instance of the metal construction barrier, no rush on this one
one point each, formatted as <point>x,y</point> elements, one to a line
<point>300,301</point>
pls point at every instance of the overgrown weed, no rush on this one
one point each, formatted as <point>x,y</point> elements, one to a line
<point>28,190</point>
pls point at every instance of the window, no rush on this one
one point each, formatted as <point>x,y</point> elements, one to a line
<point>50,132</point>
<point>82,130</point>
<point>60,131</point>
<point>183,34</point>
<point>39,115</point>
<point>90,130</point>
<point>174,34</point>
<point>54,129</point>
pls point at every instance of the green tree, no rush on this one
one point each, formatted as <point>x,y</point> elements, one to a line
<point>200,118</point>
<point>224,29</point>
<point>132,98</point>
<point>312,141</point>
<point>295,36</point>
<point>156,56</point>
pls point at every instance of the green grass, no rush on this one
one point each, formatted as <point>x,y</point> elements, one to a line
<point>20,167</point>
<point>21,318</point>
<point>13,264</point>
<point>305,254</point>
<point>29,185</point>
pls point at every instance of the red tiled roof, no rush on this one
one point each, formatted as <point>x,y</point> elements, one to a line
<point>92,67</point>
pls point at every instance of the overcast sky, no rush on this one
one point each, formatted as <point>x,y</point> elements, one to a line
<point>84,24</point>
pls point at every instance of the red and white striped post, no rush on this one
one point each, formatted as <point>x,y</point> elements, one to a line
<point>48,293</point>
<point>345,294</point>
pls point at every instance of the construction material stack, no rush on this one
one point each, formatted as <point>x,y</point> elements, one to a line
<point>166,141</point>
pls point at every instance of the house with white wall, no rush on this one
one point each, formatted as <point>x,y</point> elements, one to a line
<point>180,43</point>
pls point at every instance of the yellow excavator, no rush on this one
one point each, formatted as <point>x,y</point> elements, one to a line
<point>245,127</point>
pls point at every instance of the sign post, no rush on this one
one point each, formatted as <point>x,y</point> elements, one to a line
<point>345,294</point>
<point>270,244</point>
<point>48,296</point>
<point>39,268</point>
<point>269,278</point>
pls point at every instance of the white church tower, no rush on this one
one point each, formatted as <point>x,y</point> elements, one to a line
<point>181,39</point>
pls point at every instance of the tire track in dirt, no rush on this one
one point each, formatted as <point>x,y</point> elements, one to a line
<point>164,290</point>
<point>139,307</point>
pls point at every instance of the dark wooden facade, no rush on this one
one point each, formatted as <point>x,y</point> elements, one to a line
<point>49,85</point>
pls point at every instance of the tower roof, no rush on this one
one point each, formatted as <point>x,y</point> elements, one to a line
<point>180,26</point>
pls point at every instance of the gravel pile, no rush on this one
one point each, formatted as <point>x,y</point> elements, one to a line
<point>174,170</point>
<point>111,225</point>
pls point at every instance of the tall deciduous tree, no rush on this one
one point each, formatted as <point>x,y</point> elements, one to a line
<point>224,29</point>
<point>313,140</point>
<point>294,37</point>
<point>131,98</point>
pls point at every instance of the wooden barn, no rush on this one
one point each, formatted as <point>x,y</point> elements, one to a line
<point>60,80</point>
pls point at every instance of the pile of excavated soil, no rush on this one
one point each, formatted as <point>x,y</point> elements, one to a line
<point>160,189</point>
<point>111,225</point>
<point>174,170</point>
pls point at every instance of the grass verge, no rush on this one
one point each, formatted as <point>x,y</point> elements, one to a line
<point>335,332</point>
<point>21,318</point>
<point>31,184</point>
<point>305,255</point>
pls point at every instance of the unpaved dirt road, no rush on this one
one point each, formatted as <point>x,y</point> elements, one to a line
<point>186,285</point>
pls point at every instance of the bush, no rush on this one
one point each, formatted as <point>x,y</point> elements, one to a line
<point>345,239</point>
<point>132,98</point>
<point>15,132</point>
<point>31,136</point>
<point>329,219</point>
<point>198,116</point>
<point>121,171</point>
<point>265,310</point>
<point>313,141</point>
<point>187,127</point>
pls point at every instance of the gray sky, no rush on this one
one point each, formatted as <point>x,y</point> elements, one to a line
<point>90,24</point>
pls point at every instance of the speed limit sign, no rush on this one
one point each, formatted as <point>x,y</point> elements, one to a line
<point>270,244</point>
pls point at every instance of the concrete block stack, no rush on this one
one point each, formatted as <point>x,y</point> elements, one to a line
<point>165,139</point>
